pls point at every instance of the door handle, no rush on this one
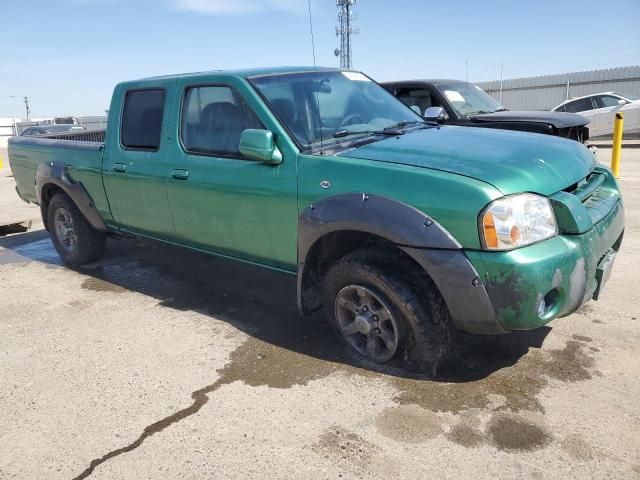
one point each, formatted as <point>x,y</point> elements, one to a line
<point>119,167</point>
<point>180,174</point>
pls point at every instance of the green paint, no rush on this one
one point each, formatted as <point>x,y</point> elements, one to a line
<point>518,279</point>
<point>513,162</point>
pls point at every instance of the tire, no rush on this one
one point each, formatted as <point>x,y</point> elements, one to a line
<point>75,240</point>
<point>418,315</point>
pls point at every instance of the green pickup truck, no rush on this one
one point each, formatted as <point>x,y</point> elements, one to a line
<point>401,229</point>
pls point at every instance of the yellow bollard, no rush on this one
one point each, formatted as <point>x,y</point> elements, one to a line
<point>617,144</point>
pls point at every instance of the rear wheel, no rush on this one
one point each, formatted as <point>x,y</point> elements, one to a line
<point>383,312</point>
<point>75,240</point>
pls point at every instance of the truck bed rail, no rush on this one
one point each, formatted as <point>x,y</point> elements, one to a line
<point>82,136</point>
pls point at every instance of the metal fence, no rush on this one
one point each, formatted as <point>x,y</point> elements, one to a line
<point>544,93</point>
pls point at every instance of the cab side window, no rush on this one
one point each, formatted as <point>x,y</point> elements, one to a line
<point>142,119</point>
<point>580,105</point>
<point>213,119</point>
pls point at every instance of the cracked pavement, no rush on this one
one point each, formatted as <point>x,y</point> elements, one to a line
<point>161,363</point>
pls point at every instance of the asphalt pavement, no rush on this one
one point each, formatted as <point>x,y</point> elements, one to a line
<point>158,362</point>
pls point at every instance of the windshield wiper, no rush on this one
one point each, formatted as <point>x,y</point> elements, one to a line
<point>394,129</point>
<point>346,133</point>
<point>401,124</point>
<point>404,123</point>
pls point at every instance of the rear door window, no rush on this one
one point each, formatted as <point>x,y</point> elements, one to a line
<point>142,119</point>
<point>580,105</point>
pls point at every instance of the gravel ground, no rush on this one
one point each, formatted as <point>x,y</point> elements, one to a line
<point>162,363</point>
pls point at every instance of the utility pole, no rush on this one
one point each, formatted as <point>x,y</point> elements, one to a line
<point>501,76</point>
<point>27,107</point>
<point>344,30</point>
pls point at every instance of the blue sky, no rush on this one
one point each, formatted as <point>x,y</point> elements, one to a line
<point>66,55</point>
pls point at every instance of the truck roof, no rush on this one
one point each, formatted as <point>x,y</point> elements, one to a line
<point>246,72</point>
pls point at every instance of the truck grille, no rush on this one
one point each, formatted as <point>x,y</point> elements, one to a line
<point>594,194</point>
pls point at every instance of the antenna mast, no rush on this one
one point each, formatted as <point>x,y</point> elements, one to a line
<point>344,30</point>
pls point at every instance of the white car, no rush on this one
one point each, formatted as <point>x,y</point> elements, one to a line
<point>601,109</point>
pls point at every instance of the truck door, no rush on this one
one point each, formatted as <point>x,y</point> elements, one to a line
<point>134,165</point>
<point>220,200</point>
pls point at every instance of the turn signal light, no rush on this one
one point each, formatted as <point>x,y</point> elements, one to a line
<point>490,235</point>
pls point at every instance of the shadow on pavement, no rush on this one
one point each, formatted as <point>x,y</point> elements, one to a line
<point>257,301</point>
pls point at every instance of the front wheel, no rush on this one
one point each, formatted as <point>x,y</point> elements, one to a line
<point>383,312</point>
<point>75,240</point>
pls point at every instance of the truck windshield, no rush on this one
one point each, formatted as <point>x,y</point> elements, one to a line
<point>469,99</point>
<point>332,105</point>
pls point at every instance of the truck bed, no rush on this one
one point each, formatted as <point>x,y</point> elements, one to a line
<point>80,151</point>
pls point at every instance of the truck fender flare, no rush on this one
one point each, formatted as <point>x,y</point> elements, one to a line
<point>384,217</point>
<point>58,174</point>
<point>414,232</point>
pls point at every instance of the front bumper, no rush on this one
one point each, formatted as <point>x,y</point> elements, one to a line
<point>528,287</point>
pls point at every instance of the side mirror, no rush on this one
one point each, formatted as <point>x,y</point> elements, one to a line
<point>259,145</point>
<point>437,114</point>
<point>622,102</point>
<point>416,109</point>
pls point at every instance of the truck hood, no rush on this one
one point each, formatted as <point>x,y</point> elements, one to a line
<point>512,162</point>
<point>557,119</point>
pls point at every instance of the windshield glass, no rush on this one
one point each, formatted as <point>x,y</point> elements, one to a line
<point>469,99</point>
<point>325,105</point>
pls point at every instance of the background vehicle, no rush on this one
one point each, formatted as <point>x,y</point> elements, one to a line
<point>399,228</point>
<point>453,102</point>
<point>50,129</point>
<point>601,109</point>
<point>65,121</point>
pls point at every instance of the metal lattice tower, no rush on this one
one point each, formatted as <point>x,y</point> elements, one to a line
<point>344,31</point>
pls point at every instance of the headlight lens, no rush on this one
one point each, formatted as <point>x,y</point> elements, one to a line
<point>517,220</point>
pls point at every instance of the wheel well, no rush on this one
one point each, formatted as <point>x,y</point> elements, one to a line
<point>49,190</point>
<point>332,247</point>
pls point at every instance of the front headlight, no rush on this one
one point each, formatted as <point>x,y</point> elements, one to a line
<point>517,220</point>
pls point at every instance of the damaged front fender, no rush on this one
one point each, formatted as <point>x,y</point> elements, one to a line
<point>531,286</point>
